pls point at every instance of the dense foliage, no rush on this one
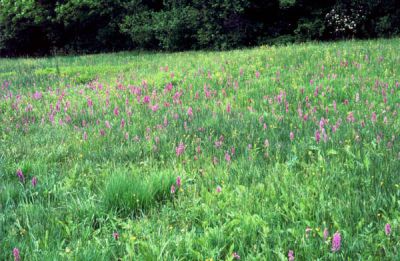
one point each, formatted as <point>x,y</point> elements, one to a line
<point>268,153</point>
<point>37,27</point>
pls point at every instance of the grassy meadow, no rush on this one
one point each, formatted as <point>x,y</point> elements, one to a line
<point>270,153</point>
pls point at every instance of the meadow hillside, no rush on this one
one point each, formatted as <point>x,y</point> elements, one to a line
<point>271,153</point>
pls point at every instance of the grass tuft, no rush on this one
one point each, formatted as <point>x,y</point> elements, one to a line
<point>133,193</point>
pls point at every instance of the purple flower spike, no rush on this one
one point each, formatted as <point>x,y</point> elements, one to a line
<point>388,229</point>
<point>336,242</point>
<point>20,175</point>
<point>34,181</point>
<point>290,255</point>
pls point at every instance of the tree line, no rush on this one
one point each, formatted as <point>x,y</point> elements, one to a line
<point>43,27</point>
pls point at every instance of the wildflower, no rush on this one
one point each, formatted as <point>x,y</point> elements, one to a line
<point>235,256</point>
<point>16,254</point>
<point>207,93</point>
<point>228,108</point>
<point>326,233</point>
<point>219,189</point>
<point>172,189</point>
<point>177,96</point>
<point>180,149</point>
<point>227,157</point>
<point>34,181</point>
<point>115,235</point>
<point>317,136</point>
<point>336,241</point>
<point>190,112</point>
<point>218,144</point>
<point>20,175</point>
<point>168,87</point>
<point>257,74</point>
<point>122,123</point>
<point>108,125</point>
<point>321,123</point>
<point>116,111</point>
<point>388,229</point>
<point>316,91</point>
<point>146,99</point>
<point>350,117</point>
<point>290,255</point>
<point>178,181</point>
<point>154,108</point>
<point>37,95</point>
<point>373,117</point>
<point>291,136</point>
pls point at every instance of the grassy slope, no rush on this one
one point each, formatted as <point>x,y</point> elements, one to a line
<point>272,189</point>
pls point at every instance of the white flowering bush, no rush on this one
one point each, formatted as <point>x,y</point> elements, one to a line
<point>342,22</point>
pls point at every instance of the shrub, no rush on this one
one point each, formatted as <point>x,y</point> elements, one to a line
<point>139,27</point>
<point>24,28</point>
<point>344,21</point>
<point>91,25</point>
<point>175,28</point>
<point>29,27</point>
<point>309,30</point>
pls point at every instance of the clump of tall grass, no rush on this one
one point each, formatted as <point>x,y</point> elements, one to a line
<point>133,193</point>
